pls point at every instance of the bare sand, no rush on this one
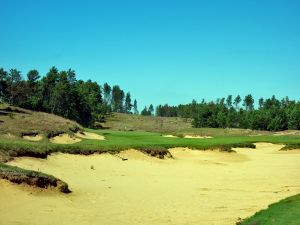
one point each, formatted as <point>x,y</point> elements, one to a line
<point>287,132</point>
<point>170,136</point>
<point>196,187</point>
<point>196,136</point>
<point>89,135</point>
<point>37,137</point>
<point>64,139</point>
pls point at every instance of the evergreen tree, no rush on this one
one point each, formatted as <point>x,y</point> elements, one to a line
<point>128,104</point>
<point>151,110</point>
<point>107,93</point>
<point>248,102</point>
<point>145,112</point>
<point>237,101</point>
<point>135,107</point>
<point>229,101</point>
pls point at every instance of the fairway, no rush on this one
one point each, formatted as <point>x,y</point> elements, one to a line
<point>195,187</point>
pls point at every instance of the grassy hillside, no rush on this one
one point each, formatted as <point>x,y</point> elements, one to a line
<point>171,125</point>
<point>130,122</point>
<point>285,212</point>
<point>16,122</point>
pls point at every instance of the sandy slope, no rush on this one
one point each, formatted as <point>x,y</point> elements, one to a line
<point>196,187</point>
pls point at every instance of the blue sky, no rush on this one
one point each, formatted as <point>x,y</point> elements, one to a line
<point>162,51</point>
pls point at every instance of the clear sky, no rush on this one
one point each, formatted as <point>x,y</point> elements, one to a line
<point>163,51</point>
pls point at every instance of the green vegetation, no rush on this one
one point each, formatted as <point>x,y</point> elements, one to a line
<point>60,93</point>
<point>272,114</point>
<point>285,212</point>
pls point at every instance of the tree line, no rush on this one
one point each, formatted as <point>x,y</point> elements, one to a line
<point>60,93</point>
<point>271,114</point>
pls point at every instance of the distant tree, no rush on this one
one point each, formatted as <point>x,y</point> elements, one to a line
<point>14,79</point>
<point>260,102</point>
<point>145,112</point>
<point>135,107</point>
<point>107,93</point>
<point>48,83</point>
<point>151,110</point>
<point>117,103</point>
<point>122,97</point>
<point>128,104</point>
<point>221,119</point>
<point>34,93</point>
<point>248,102</point>
<point>237,101</point>
<point>294,117</point>
<point>229,101</point>
<point>3,85</point>
<point>285,102</point>
<point>33,76</point>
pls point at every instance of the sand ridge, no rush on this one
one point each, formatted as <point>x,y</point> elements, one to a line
<point>196,187</point>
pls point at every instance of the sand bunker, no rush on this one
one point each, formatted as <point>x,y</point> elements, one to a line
<point>196,136</point>
<point>170,136</point>
<point>89,135</point>
<point>64,139</point>
<point>37,137</point>
<point>196,187</point>
<point>287,132</point>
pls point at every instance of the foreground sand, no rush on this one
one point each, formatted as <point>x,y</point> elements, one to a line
<point>197,187</point>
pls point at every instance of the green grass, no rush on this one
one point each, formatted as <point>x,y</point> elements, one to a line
<point>121,140</point>
<point>285,212</point>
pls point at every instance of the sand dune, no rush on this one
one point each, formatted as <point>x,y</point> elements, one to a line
<point>196,187</point>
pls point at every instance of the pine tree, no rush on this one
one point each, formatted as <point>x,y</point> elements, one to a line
<point>128,104</point>
<point>135,107</point>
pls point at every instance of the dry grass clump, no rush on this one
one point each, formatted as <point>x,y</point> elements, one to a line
<point>33,178</point>
<point>158,152</point>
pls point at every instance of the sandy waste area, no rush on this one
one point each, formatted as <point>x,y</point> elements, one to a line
<point>196,187</point>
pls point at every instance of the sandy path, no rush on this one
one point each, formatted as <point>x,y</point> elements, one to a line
<point>209,188</point>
